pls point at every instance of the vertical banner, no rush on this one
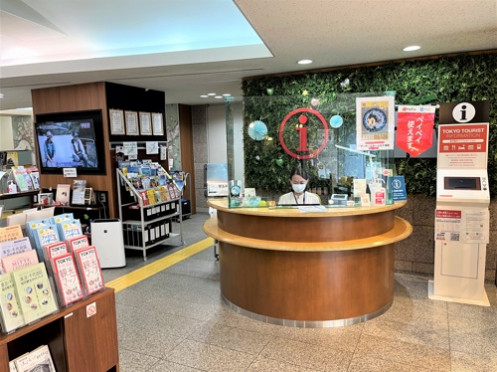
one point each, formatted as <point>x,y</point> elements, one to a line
<point>375,123</point>
<point>415,128</point>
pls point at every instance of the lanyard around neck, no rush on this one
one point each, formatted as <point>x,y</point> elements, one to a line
<point>297,201</point>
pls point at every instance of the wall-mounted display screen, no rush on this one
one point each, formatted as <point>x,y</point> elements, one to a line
<point>71,140</point>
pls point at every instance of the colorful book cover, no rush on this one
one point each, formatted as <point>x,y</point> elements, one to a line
<point>77,242</point>
<point>15,246</point>
<point>62,217</point>
<point>63,194</point>
<point>19,260</point>
<point>35,178</point>
<point>34,292</point>
<point>89,269</point>
<point>54,249</point>
<point>44,235</point>
<point>67,279</point>
<point>10,233</point>
<point>151,196</point>
<point>69,229</point>
<point>39,359</point>
<point>31,226</point>
<point>9,304</point>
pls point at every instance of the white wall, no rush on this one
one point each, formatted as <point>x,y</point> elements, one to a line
<point>216,136</point>
<point>6,137</point>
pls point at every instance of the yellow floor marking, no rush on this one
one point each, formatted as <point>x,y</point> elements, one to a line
<point>153,268</point>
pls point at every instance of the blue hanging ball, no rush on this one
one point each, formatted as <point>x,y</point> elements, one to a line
<point>257,130</point>
<point>336,121</point>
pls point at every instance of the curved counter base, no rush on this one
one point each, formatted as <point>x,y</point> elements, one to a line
<point>301,283</point>
<point>306,323</point>
<point>307,286</point>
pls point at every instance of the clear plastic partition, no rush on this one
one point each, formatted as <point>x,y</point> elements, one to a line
<point>344,144</point>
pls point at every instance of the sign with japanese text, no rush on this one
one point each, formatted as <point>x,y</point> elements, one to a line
<point>462,146</point>
<point>415,128</point>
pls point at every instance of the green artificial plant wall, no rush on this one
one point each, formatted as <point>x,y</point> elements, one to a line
<point>431,81</point>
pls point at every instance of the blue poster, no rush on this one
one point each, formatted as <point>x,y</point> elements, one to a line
<point>397,186</point>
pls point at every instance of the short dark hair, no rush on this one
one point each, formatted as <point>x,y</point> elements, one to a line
<point>299,172</point>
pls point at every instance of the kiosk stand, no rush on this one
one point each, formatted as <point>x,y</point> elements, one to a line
<point>462,215</point>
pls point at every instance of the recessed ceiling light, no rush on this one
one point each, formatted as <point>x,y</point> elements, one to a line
<point>226,94</point>
<point>211,94</point>
<point>411,48</point>
<point>305,61</point>
<point>204,96</point>
<point>218,97</point>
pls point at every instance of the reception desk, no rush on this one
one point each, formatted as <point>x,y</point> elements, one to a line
<point>318,269</point>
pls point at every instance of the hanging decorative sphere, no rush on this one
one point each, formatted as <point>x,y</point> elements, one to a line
<point>257,130</point>
<point>336,121</point>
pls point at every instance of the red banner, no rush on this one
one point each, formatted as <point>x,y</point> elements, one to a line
<point>415,128</point>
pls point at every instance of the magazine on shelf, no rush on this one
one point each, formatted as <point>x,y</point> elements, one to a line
<point>62,217</point>
<point>19,260</point>
<point>69,229</point>
<point>44,235</point>
<point>11,314</point>
<point>35,178</point>
<point>10,233</point>
<point>77,242</point>
<point>63,194</point>
<point>14,246</point>
<point>67,279</point>
<point>34,292</point>
<point>55,249</point>
<point>89,269</point>
<point>78,192</point>
<point>38,360</point>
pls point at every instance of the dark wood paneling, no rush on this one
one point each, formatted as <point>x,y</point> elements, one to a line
<point>187,156</point>
<point>78,98</point>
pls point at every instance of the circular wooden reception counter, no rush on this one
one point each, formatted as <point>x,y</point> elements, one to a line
<point>306,268</point>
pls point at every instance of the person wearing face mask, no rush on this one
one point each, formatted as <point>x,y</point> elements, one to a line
<point>298,195</point>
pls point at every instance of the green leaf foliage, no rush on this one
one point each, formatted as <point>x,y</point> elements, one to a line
<point>430,81</point>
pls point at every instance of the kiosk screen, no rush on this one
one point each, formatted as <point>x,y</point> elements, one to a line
<point>462,183</point>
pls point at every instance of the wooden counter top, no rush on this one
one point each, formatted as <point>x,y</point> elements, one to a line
<point>222,205</point>
<point>400,231</point>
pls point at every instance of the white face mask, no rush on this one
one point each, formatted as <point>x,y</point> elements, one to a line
<point>298,187</point>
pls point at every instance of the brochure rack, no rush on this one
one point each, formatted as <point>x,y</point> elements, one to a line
<point>147,222</point>
<point>81,337</point>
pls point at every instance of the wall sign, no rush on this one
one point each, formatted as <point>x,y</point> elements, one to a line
<point>298,120</point>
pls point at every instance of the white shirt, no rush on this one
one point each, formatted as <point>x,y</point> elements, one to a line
<point>305,198</point>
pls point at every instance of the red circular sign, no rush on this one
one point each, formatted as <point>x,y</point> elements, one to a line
<point>302,120</point>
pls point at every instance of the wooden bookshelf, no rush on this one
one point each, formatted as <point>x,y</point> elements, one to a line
<point>79,339</point>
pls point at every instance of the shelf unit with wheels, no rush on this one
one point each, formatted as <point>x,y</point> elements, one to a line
<point>147,225</point>
<point>81,337</point>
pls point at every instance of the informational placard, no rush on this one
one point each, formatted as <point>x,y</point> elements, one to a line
<point>465,225</point>
<point>375,123</point>
<point>397,186</point>
<point>462,146</point>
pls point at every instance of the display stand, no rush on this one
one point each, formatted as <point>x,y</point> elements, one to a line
<point>150,225</point>
<point>79,339</point>
<point>184,182</point>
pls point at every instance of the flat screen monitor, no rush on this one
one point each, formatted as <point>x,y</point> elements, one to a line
<point>71,140</point>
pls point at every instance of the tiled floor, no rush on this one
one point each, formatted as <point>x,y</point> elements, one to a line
<point>176,321</point>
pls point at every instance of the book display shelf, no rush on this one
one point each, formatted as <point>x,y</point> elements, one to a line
<point>149,200</point>
<point>81,337</point>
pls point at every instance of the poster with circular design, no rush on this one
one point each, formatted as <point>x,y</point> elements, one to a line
<point>374,120</point>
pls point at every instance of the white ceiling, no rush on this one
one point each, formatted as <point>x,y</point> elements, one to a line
<point>191,47</point>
